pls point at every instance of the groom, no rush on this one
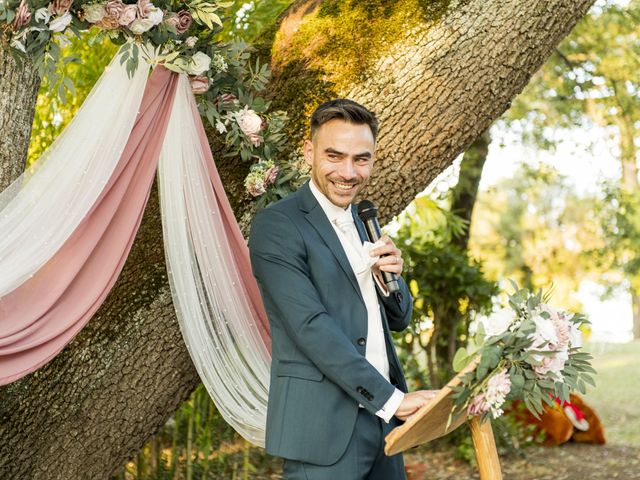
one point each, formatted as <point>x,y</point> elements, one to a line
<point>337,387</point>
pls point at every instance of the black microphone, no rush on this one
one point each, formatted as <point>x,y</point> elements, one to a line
<point>368,213</point>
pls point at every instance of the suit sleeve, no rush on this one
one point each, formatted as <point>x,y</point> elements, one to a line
<point>278,259</point>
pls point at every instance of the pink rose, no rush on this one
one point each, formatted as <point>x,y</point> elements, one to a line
<point>182,21</point>
<point>23,15</point>
<point>127,15</point>
<point>114,9</point>
<point>60,7</point>
<point>560,323</point>
<point>199,84</point>
<point>144,8</point>
<point>270,175</point>
<point>478,405</point>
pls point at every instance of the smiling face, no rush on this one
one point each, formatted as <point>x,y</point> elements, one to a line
<point>341,156</point>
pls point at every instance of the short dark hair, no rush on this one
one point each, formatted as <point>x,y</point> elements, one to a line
<point>343,109</point>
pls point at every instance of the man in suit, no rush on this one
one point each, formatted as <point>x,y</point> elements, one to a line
<point>337,387</point>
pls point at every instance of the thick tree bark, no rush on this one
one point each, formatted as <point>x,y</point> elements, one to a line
<point>436,86</point>
<point>18,94</point>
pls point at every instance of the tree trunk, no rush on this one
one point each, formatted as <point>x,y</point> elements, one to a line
<point>437,78</point>
<point>18,94</point>
<point>465,192</point>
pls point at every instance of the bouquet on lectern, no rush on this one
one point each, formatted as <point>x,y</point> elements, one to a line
<point>528,351</point>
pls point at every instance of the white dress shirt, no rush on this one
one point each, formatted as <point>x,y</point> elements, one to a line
<point>375,353</point>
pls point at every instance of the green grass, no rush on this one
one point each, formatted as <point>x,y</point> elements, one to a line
<point>616,398</point>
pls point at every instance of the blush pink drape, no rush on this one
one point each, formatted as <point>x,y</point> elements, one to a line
<point>42,315</point>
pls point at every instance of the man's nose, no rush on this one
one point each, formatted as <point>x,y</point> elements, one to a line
<point>347,169</point>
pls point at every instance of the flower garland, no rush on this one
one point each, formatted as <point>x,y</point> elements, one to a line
<point>180,34</point>
<point>528,351</point>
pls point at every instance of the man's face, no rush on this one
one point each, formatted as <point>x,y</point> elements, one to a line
<point>341,156</point>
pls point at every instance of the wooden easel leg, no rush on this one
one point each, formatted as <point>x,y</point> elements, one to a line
<point>485,449</point>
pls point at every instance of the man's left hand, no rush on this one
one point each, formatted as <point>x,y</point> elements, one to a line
<point>390,257</point>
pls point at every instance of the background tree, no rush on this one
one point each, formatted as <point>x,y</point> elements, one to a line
<point>437,72</point>
<point>448,287</point>
<point>591,80</point>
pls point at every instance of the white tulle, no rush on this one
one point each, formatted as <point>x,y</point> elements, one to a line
<point>42,207</point>
<point>214,315</point>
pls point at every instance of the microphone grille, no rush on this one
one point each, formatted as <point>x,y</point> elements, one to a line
<point>367,210</point>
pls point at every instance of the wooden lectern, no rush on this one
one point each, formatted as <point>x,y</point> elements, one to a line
<point>430,422</point>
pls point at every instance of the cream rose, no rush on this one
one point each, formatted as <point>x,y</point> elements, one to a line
<point>249,121</point>
<point>94,13</point>
<point>138,27</point>
<point>199,64</point>
<point>155,15</point>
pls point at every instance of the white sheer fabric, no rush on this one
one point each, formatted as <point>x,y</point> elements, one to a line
<point>214,315</point>
<point>43,206</point>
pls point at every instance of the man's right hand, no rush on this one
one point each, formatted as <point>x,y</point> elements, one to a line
<point>412,402</point>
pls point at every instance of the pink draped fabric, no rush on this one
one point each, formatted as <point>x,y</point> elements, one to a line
<point>237,243</point>
<point>41,316</point>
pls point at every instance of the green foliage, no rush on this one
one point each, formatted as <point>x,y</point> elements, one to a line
<point>534,228</point>
<point>622,234</point>
<point>197,443</point>
<point>448,288</point>
<point>515,348</point>
<point>82,66</point>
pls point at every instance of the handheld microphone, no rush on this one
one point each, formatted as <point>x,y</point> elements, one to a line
<point>368,213</point>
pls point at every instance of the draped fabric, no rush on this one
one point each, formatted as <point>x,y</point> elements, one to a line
<point>216,298</point>
<point>38,318</point>
<point>42,207</point>
<point>68,224</point>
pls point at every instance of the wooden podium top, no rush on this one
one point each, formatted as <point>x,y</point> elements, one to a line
<point>430,422</point>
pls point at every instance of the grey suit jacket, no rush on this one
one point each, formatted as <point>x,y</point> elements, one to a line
<point>318,319</point>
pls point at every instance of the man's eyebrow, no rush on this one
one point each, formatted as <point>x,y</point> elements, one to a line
<point>333,150</point>
<point>337,152</point>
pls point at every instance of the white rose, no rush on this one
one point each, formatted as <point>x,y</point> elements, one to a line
<point>138,27</point>
<point>58,24</point>
<point>498,323</point>
<point>155,15</point>
<point>191,41</point>
<point>43,14</point>
<point>94,13</point>
<point>545,331</point>
<point>249,121</point>
<point>200,63</point>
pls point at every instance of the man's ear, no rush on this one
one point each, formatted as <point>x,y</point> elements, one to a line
<point>308,152</point>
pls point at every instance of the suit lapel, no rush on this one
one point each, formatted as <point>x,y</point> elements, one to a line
<point>317,218</point>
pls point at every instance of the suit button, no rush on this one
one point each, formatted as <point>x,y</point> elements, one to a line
<point>362,341</point>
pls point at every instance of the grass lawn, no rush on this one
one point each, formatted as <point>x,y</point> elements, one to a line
<point>616,399</point>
